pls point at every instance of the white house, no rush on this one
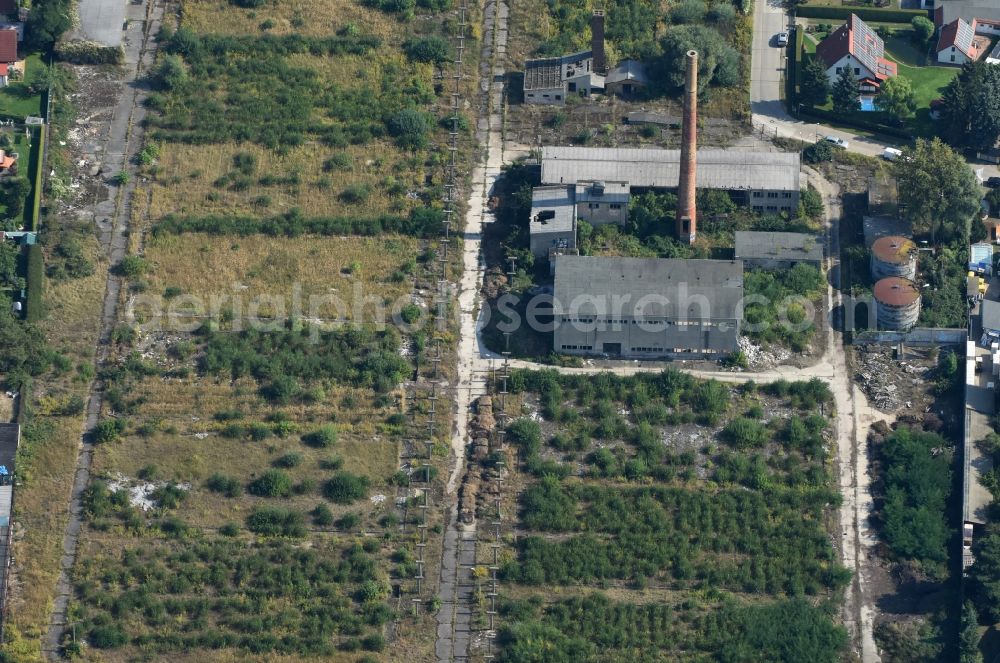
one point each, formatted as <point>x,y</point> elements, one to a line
<point>855,45</point>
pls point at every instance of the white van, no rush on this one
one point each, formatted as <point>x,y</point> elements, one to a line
<point>891,154</point>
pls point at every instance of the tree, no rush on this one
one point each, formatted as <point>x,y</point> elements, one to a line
<point>968,637</point>
<point>897,98</point>
<point>15,190</point>
<point>718,62</point>
<point>984,575</point>
<point>46,23</point>
<point>815,87</point>
<point>922,29</point>
<point>170,74</point>
<point>427,49</point>
<point>811,203</point>
<point>971,112</point>
<point>818,152</point>
<point>938,188</point>
<point>845,91</point>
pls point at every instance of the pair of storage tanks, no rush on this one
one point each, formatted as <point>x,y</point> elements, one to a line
<point>894,268</point>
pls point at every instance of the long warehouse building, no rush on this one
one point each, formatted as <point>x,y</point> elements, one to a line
<point>765,181</point>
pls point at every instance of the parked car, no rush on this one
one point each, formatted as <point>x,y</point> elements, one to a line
<point>839,142</point>
<point>782,39</point>
<point>992,182</point>
<point>891,153</point>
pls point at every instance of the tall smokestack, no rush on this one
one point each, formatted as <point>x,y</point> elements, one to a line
<point>597,41</point>
<point>687,214</point>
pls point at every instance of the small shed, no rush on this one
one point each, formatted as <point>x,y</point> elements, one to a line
<point>777,250</point>
<point>626,80</point>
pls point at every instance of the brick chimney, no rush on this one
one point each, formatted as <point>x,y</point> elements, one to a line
<point>687,214</point>
<point>597,41</point>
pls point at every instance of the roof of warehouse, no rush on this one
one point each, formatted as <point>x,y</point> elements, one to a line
<point>649,287</point>
<point>558,201</point>
<point>643,167</point>
<point>614,192</point>
<point>778,246</point>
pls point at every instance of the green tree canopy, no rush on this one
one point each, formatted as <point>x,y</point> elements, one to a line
<point>922,29</point>
<point>971,113</point>
<point>897,98</point>
<point>938,188</point>
<point>845,91</point>
<point>815,88</point>
<point>718,62</point>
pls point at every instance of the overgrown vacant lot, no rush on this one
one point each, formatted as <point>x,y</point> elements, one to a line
<point>689,517</point>
<point>250,496</point>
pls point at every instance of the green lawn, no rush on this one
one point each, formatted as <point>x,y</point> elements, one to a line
<point>27,163</point>
<point>15,101</point>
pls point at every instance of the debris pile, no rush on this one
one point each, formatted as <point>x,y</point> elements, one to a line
<point>877,381</point>
<point>481,430</point>
<point>757,357</point>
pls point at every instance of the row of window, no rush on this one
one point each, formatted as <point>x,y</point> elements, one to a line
<point>577,347</point>
<point>857,70</point>
<point>772,194</point>
<point>669,323</point>
<point>558,97</point>
<point>769,208</point>
<point>598,205</point>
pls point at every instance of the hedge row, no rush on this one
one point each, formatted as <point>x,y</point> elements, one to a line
<point>35,280</point>
<point>864,13</point>
<point>36,198</point>
<point>422,222</point>
<point>80,51</point>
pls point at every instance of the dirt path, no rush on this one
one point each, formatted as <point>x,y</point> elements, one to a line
<point>112,217</point>
<point>454,619</point>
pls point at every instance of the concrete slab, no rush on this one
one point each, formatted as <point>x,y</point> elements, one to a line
<point>101,21</point>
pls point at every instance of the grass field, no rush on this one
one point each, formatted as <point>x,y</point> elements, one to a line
<point>16,101</point>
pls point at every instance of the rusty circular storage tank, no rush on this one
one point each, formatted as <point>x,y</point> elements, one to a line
<point>897,303</point>
<point>894,256</point>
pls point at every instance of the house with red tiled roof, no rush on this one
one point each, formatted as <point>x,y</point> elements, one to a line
<point>855,45</point>
<point>958,42</point>
<point>8,46</point>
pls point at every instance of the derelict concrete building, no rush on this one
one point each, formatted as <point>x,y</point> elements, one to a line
<point>777,250</point>
<point>552,224</point>
<point>765,181</point>
<point>646,308</point>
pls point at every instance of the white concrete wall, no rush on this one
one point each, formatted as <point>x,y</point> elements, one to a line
<point>555,96</point>
<point>952,55</point>
<point>848,61</point>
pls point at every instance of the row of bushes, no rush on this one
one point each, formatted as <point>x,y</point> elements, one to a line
<point>79,51</point>
<point>36,277</point>
<point>421,222</point>
<point>855,121</point>
<point>879,14</point>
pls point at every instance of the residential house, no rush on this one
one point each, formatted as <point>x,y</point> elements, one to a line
<point>855,45</point>
<point>8,46</point>
<point>958,43</point>
<point>646,308</point>
<point>8,163</point>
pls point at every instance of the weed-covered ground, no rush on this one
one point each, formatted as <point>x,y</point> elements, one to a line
<point>664,518</point>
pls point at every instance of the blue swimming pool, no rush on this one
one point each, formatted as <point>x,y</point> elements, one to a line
<point>867,103</point>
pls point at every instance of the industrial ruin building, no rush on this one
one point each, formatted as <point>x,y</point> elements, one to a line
<point>777,250</point>
<point>766,181</point>
<point>552,224</point>
<point>599,203</point>
<point>645,308</point>
<point>894,256</point>
<point>897,303</point>
<point>552,80</point>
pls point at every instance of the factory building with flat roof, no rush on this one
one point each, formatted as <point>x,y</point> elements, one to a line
<point>765,181</point>
<point>646,308</point>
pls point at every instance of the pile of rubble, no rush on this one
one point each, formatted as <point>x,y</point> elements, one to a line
<point>879,375</point>
<point>757,357</point>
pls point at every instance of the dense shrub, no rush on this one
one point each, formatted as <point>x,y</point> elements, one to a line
<point>427,49</point>
<point>228,486</point>
<point>274,521</point>
<point>409,127</point>
<point>745,433</point>
<point>272,483</point>
<point>345,488</point>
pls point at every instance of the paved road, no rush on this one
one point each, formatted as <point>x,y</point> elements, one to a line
<point>767,61</point>
<point>101,21</point>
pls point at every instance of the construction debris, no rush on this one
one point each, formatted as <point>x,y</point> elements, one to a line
<point>877,381</point>
<point>757,357</point>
